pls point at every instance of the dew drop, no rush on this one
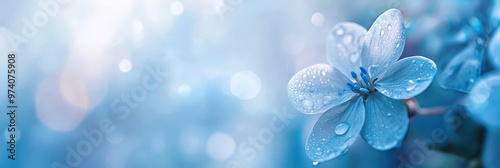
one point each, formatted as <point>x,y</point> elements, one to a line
<point>300,97</point>
<point>397,45</point>
<point>341,128</point>
<point>315,163</point>
<point>382,32</point>
<point>347,39</point>
<point>389,27</point>
<point>344,151</point>
<point>411,85</point>
<point>389,114</point>
<point>319,152</point>
<point>323,73</point>
<point>354,57</point>
<point>339,31</point>
<point>304,75</point>
<point>307,104</point>
<point>327,99</point>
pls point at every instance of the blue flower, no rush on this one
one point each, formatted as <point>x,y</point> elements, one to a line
<point>482,104</point>
<point>482,101</point>
<point>360,91</point>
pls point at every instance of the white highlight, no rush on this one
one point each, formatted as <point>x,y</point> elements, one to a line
<point>137,27</point>
<point>125,65</point>
<point>184,90</point>
<point>220,146</point>
<point>176,8</point>
<point>245,85</point>
<point>317,19</point>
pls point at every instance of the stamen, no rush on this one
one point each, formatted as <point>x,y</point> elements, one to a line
<point>363,70</point>
<point>357,87</point>
<point>364,90</point>
<point>364,85</point>
<point>365,78</point>
<point>351,86</point>
<point>353,74</point>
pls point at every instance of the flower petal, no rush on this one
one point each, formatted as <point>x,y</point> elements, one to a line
<point>335,131</point>
<point>407,78</point>
<point>384,42</point>
<point>344,46</point>
<point>318,88</point>
<point>491,149</point>
<point>494,48</point>
<point>462,71</point>
<point>482,102</point>
<point>386,122</point>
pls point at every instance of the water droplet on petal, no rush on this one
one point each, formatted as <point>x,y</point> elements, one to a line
<point>307,104</point>
<point>339,31</point>
<point>327,99</point>
<point>347,39</point>
<point>315,163</point>
<point>341,128</point>
<point>389,27</point>
<point>411,85</point>
<point>300,97</point>
<point>344,151</point>
<point>389,114</point>
<point>354,57</point>
<point>382,32</point>
<point>323,73</point>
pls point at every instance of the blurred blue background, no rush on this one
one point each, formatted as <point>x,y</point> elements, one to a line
<point>197,83</point>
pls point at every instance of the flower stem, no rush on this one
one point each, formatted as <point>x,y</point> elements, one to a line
<point>432,111</point>
<point>414,109</point>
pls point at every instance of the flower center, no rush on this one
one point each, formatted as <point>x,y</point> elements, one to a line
<point>364,85</point>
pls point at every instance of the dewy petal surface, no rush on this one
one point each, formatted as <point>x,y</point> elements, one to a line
<point>494,48</point>
<point>491,149</point>
<point>483,101</point>
<point>344,46</point>
<point>384,42</point>
<point>407,78</point>
<point>318,88</point>
<point>335,131</point>
<point>462,72</point>
<point>386,122</point>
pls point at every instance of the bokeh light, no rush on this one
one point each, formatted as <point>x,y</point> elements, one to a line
<point>220,146</point>
<point>245,85</point>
